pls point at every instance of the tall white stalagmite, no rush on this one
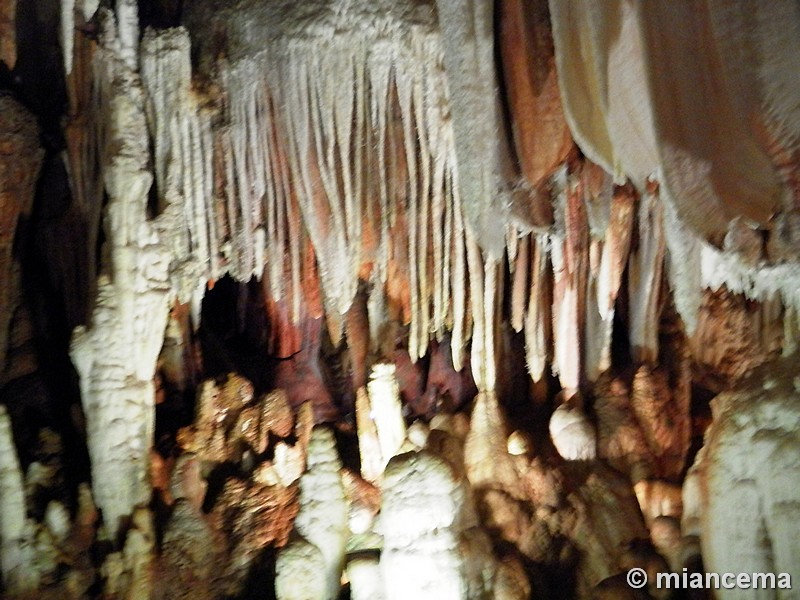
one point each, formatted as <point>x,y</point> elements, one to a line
<point>386,410</point>
<point>322,519</point>
<point>744,482</point>
<point>116,354</point>
<point>379,418</point>
<point>419,513</point>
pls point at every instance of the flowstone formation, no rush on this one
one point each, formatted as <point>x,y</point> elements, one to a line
<point>396,299</point>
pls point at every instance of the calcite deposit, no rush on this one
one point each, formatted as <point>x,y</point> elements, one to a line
<point>396,299</point>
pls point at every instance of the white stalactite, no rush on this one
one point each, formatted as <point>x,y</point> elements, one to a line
<point>645,268</point>
<point>537,347</point>
<point>604,283</point>
<point>481,143</point>
<point>67,32</point>
<point>303,105</point>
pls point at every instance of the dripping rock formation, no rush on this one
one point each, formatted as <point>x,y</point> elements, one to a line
<point>398,299</point>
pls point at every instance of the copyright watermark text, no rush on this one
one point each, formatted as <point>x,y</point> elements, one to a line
<point>637,578</point>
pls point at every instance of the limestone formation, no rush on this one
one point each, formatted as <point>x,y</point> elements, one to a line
<point>573,434</point>
<point>364,574</point>
<point>116,354</point>
<point>322,519</point>
<point>189,550</point>
<point>419,522</point>
<point>747,474</point>
<point>381,429</point>
<point>300,572</point>
<point>427,298</point>
<point>17,554</point>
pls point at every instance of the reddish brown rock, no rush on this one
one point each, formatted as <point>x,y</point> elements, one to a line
<point>20,158</point>
<point>541,135</point>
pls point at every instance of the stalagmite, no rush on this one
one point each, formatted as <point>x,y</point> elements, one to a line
<point>486,459</point>
<point>379,419</point>
<point>277,417</point>
<point>660,405</point>
<point>129,572</point>
<point>748,474</point>
<point>116,355</point>
<point>429,530</point>
<point>300,572</point>
<point>368,444</point>
<point>322,520</point>
<point>573,435</point>
<point>365,579</point>
<point>188,547</point>
<point>620,440</point>
<point>384,397</point>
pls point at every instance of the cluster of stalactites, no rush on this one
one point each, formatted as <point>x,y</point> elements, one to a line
<point>341,143</point>
<point>352,132</point>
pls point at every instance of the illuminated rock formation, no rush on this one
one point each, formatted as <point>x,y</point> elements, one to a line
<point>748,467</point>
<point>322,520</point>
<point>424,297</point>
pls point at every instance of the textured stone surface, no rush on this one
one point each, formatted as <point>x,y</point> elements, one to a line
<point>748,475</point>
<point>322,519</point>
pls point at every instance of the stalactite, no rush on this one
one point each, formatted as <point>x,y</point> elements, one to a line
<point>605,278</point>
<point>569,258</point>
<point>521,271</point>
<point>395,94</point>
<point>541,135</point>
<point>481,147</point>
<point>537,338</point>
<point>483,278</point>
<point>637,120</point>
<point>645,269</point>
<point>182,149</point>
